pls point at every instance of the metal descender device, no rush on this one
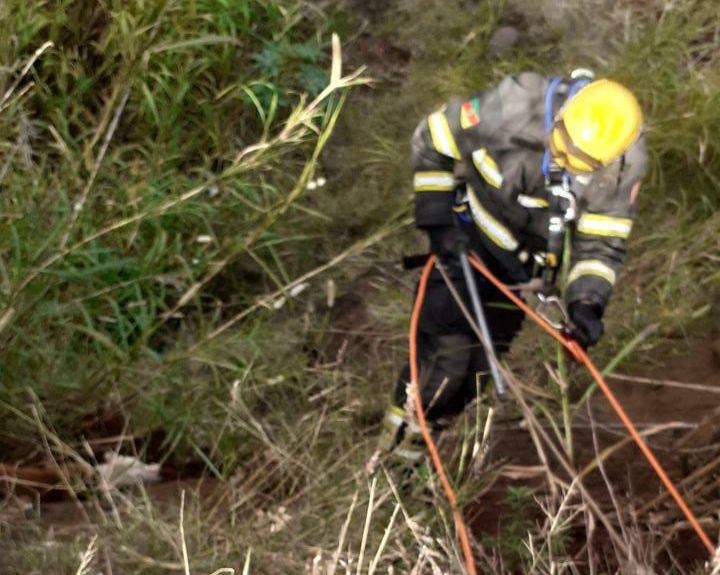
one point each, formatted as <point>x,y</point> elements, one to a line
<point>562,207</point>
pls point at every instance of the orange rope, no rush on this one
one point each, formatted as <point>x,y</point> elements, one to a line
<point>579,354</point>
<point>460,526</point>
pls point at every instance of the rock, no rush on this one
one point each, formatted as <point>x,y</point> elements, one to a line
<point>121,470</point>
<point>502,41</point>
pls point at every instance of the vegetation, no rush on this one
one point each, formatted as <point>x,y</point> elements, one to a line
<point>185,184</point>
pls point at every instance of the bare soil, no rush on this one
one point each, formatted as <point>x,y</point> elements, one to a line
<point>693,441</point>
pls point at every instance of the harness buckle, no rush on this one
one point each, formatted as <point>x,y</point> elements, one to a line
<point>566,203</point>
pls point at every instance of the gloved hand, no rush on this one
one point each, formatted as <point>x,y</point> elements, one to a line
<point>444,241</point>
<point>587,326</point>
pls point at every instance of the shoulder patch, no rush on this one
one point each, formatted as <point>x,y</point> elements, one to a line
<point>470,114</point>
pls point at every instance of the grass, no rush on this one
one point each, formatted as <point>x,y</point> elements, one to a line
<point>154,164</point>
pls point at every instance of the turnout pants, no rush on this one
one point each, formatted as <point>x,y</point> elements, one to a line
<point>452,362</point>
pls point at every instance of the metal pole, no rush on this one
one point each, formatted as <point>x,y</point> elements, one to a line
<point>486,339</point>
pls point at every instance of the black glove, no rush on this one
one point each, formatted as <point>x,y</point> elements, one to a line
<point>587,326</point>
<point>444,241</point>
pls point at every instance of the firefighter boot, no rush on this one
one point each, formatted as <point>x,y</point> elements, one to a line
<point>402,449</point>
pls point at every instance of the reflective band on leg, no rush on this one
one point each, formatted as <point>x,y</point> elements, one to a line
<point>396,417</point>
<point>442,136</point>
<point>409,454</point>
<point>492,228</point>
<point>434,181</point>
<point>608,226</point>
<point>487,167</point>
<point>592,268</point>
<point>394,420</point>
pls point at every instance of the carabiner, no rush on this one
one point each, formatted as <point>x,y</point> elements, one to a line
<point>547,303</point>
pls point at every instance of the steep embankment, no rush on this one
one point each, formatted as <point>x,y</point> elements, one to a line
<point>172,327</point>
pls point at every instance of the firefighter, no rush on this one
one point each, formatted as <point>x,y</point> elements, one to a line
<point>509,172</point>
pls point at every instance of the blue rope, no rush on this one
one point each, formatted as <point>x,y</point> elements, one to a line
<point>549,96</point>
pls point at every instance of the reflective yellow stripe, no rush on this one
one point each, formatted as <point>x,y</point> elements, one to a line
<point>531,202</point>
<point>442,136</point>
<point>395,417</point>
<point>591,268</point>
<point>608,226</point>
<point>434,181</point>
<point>487,167</point>
<point>396,410</point>
<point>492,228</point>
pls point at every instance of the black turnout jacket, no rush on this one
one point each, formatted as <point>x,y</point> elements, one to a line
<point>480,160</point>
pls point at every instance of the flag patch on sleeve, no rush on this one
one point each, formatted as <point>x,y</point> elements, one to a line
<point>470,114</point>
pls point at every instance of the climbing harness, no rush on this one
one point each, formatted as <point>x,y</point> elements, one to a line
<point>578,353</point>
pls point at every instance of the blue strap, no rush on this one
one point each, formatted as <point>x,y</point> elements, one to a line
<point>549,94</point>
<point>549,97</point>
<point>575,88</point>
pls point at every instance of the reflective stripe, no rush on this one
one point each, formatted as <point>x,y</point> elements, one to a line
<point>396,417</point>
<point>442,136</point>
<point>583,179</point>
<point>597,225</point>
<point>592,268</point>
<point>409,454</point>
<point>531,202</point>
<point>492,228</point>
<point>434,181</point>
<point>396,410</point>
<point>487,167</point>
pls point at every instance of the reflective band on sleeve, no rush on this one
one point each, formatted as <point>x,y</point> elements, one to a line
<point>531,202</point>
<point>442,136</point>
<point>597,225</point>
<point>434,181</point>
<point>592,268</point>
<point>487,167</point>
<point>492,228</point>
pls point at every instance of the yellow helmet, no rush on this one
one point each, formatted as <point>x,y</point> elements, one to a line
<point>595,126</point>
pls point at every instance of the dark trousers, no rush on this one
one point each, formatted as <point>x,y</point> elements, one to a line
<point>452,360</point>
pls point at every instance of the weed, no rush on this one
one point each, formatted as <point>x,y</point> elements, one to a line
<point>155,167</point>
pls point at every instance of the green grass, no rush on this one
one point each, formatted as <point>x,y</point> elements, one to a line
<point>155,147</point>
